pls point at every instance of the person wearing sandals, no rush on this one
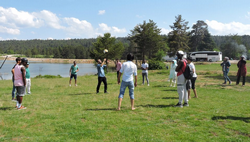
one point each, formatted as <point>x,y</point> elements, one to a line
<point>242,71</point>
<point>225,68</point>
<point>193,79</point>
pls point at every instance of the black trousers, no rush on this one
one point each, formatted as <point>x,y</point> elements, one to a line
<point>118,74</point>
<point>100,80</point>
<point>238,80</point>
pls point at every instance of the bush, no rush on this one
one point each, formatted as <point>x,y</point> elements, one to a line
<point>155,65</point>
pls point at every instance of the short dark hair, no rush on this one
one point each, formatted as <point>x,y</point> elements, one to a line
<point>190,59</point>
<point>130,57</point>
<point>18,59</point>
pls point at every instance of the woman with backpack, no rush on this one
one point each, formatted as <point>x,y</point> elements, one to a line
<point>193,79</point>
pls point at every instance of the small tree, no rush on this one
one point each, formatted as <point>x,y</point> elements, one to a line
<point>115,50</point>
<point>178,38</point>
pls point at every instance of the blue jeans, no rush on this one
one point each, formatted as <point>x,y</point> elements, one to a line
<point>130,86</point>
<point>13,90</point>
<point>225,74</point>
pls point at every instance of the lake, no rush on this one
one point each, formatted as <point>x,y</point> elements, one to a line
<point>37,68</point>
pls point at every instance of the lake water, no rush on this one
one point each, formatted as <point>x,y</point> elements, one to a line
<point>37,68</point>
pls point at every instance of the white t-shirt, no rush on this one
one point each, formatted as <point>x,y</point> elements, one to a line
<point>144,66</point>
<point>128,69</point>
<point>192,67</point>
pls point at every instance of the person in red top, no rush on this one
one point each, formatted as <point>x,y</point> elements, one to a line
<point>242,71</point>
<point>118,66</point>
<point>181,81</point>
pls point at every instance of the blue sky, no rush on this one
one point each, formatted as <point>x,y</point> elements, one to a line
<point>68,19</point>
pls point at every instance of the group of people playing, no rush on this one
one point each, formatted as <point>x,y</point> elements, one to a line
<point>21,81</point>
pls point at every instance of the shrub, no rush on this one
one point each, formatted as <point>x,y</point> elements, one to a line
<point>154,64</point>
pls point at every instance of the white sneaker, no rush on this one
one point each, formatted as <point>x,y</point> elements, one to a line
<point>148,84</point>
<point>70,85</point>
<point>76,85</point>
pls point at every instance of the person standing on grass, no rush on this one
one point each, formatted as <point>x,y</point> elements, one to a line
<point>118,66</point>
<point>20,82</point>
<point>128,70</point>
<point>28,80</point>
<point>73,73</point>
<point>193,79</point>
<point>18,61</point>
<point>242,71</point>
<point>173,73</point>
<point>144,67</point>
<point>101,76</point>
<point>225,68</point>
<point>181,81</point>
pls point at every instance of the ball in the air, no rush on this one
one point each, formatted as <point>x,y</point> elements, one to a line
<point>105,51</point>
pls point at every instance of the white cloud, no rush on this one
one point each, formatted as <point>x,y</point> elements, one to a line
<point>48,18</point>
<point>77,27</point>
<point>140,16</point>
<point>248,15</point>
<point>165,31</point>
<point>9,30</point>
<point>113,30</point>
<point>101,12</point>
<point>218,28</point>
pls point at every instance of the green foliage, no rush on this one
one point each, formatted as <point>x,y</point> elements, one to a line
<point>115,49</point>
<point>178,38</point>
<point>156,64</point>
<point>147,39</point>
<point>159,55</point>
<point>48,76</point>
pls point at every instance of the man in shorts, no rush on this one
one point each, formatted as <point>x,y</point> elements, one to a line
<point>20,82</point>
<point>73,73</point>
<point>128,69</point>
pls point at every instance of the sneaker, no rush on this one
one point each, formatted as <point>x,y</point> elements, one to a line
<point>148,84</point>
<point>178,105</point>
<point>106,92</point>
<point>97,92</point>
<point>230,82</point>
<point>22,107</point>
<point>70,85</point>
<point>14,100</point>
<point>76,85</point>
<point>186,104</point>
<point>224,83</point>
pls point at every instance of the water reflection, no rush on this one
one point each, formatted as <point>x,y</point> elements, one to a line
<point>37,68</point>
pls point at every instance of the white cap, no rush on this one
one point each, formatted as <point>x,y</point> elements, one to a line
<point>180,52</point>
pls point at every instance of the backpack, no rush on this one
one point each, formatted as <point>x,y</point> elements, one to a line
<point>188,73</point>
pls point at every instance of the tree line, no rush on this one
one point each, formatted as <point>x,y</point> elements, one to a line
<point>144,40</point>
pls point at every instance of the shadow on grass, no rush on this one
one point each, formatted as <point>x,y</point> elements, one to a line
<point>97,109</point>
<point>170,98</point>
<point>5,108</point>
<point>157,106</point>
<point>82,94</point>
<point>232,78</point>
<point>174,90</point>
<point>245,119</point>
<point>160,86</point>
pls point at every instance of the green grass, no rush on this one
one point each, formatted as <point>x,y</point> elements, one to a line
<point>57,112</point>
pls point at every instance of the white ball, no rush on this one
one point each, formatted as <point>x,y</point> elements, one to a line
<point>105,51</point>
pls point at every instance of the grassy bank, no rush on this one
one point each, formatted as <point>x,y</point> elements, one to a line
<point>57,112</point>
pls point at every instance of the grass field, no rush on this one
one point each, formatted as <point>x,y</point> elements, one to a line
<point>57,112</point>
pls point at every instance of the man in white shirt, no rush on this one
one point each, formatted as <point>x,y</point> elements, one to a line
<point>144,67</point>
<point>128,69</point>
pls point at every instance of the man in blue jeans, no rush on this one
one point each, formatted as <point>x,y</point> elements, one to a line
<point>128,69</point>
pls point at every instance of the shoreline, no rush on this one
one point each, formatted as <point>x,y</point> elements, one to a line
<point>51,60</point>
